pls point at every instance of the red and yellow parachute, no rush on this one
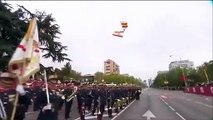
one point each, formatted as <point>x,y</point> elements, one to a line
<point>124,26</point>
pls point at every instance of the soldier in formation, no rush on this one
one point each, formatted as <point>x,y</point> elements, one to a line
<point>95,98</point>
<point>9,80</point>
<point>99,97</point>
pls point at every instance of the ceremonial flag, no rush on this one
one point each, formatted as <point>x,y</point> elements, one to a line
<point>25,60</point>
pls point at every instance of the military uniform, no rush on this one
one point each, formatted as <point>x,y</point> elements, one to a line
<point>9,97</point>
<point>68,103</point>
<point>41,101</point>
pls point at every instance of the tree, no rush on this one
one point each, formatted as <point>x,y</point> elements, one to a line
<point>193,76</point>
<point>121,79</point>
<point>76,75</point>
<point>208,67</point>
<point>99,76</point>
<point>13,26</point>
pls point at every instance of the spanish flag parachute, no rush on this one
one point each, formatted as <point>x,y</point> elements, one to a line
<point>120,33</point>
<point>124,25</point>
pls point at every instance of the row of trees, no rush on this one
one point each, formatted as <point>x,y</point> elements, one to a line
<point>13,26</point>
<point>118,79</point>
<point>193,76</point>
<point>64,73</point>
<point>67,73</point>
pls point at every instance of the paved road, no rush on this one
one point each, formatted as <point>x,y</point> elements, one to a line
<point>169,105</point>
<point>161,104</point>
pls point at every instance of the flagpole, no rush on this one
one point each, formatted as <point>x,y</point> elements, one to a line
<point>3,113</point>
<point>17,95</point>
<point>46,84</point>
<point>207,78</point>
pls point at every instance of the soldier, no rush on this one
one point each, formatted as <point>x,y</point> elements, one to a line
<point>48,108</point>
<point>69,95</point>
<point>48,111</point>
<point>137,94</point>
<point>8,79</point>
<point>81,102</point>
<point>89,98</point>
<point>61,102</point>
<point>109,101</point>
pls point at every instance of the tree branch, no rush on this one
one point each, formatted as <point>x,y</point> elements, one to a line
<point>31,14</point>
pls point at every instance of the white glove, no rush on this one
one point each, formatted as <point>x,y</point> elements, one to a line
<point>62,97</point>
<point>20,89</point>
<point>47,107</point>
<point>75,88</point>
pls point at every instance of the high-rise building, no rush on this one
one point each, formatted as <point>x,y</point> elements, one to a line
<point>111,67</point>
<point>181,64</point>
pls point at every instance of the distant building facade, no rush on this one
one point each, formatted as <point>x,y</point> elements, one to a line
<point>150,81</point>
<point>181,64</point>
<point>162,72</point>
<point>111,67</point>
<point>88,78</point>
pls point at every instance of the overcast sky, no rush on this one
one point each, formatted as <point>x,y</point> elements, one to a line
<point>156,31</point>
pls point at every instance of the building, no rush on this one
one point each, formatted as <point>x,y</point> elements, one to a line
<point>150,81</point>
<point>111,67</point>
<point>181,64</point>
<point>162,72</point>
<point>88,78</point>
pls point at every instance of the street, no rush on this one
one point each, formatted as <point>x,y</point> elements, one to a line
<point>154,104</point>
<point>169,105</point>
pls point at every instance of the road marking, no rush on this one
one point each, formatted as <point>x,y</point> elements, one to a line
<point>123,110</point>
<point>85,116</point>
<point>148,114</point>
<point>180,116</point>
<point>199,102</point>
<point>162,99</point>
<point>207,99</point>
<point>204,104</point>
<point>172,108</point>
<point>93,117</point>
<point>162,96</point>
<point>208,106</point>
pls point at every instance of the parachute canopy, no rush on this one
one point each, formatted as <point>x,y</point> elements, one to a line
<point>124,25</point>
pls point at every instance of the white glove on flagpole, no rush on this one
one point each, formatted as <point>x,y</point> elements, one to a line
<point>47,107</point>
<point>62,97</point>
<point>20,90</point>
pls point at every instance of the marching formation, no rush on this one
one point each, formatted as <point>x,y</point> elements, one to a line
<point>95,98</point>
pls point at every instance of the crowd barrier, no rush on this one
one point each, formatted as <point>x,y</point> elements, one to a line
<point>201,90</point>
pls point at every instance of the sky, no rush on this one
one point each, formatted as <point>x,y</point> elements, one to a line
<point>157,29</point>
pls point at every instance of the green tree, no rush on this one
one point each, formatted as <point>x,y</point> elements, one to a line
<point>208,67</point>
<point>99,76</point>
<point>76,75</point>
<point>13,26</point>
<point>121,79</point>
